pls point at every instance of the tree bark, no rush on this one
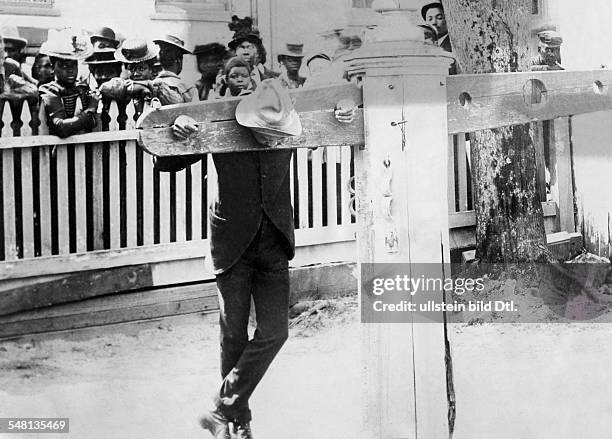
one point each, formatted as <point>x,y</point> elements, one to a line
<point>491,36</point>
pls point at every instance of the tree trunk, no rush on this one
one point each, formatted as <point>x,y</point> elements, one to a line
<point>491,36</point>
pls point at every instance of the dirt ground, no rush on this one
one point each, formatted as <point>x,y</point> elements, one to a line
<point>150,381</point>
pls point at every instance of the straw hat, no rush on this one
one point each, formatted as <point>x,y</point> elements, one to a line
<point>550,38</point>
<point>135,51</point>
<point>11,34</point>
<point>269,111</point>
<point>173,41</point>
<point>321,55</point>
<point>67,44</point>
<point>292,49</point>
<point>428,6</point>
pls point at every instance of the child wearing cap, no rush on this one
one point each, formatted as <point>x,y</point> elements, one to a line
<point>69,108</point>
<point>290,58</point>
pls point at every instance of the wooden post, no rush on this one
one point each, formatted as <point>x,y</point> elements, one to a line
<point>563,192</point>
<point>402,205</point>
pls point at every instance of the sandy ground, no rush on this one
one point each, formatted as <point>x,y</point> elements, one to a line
<point>535,381</point>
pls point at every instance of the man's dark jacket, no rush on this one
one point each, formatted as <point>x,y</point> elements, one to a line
<point>251,184</point>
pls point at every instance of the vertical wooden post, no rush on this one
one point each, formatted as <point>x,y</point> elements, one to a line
<point>563,192</point>
<point>401,186</point>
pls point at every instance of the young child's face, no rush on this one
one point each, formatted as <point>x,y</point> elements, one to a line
<point>140,71</point>
<point>104,72</point>
<point>66,71</point>
<point>45,69</point>
<point>238,79</point>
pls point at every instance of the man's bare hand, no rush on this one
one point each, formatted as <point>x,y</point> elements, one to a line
<point>345,111</point>
<point>184,127</point>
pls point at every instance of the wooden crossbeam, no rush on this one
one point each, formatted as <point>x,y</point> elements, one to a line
<point>218,131</point>
<point>477,102</point>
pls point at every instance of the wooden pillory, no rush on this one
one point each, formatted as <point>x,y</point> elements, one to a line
<point>410,107</point>
<point>402,208</point>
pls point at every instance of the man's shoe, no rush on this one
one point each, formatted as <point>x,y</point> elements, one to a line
<point>242,431</point>
<point>216,423</point>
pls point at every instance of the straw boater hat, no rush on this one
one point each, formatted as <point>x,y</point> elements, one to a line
<point>269,111</point>
<point>67,44</point>
<point>210,48</point>
<point>10,34</point>
<point>135,51</point>
<point>294,50</point>
<point>106,34</point>
<point>174,42</point>
<point>428,6</point>
<point>550,38</point>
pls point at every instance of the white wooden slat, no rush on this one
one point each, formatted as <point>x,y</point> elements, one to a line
<point>317,188</point>
<point>164,207</point>
<point>8,192</point>
<point>27,203</point>
<point>345,175</point>
<point>462,171</point>
<point>451,173</point>
<point>114,189</point>
<point>291,181</point>
<point>44,172</point>
<point>26,118</point>
<point>211,187</point>
<point>131,194</point>
<point>63,223</point>
<point>196,201</point>
<point>147,200</point>
<point>80,197</point>
<point>113,112</point>
<point>332,196</point>
<point>302,181</point>
<point>181,206</point>
<point>97,150</point>
<point>7,118</point>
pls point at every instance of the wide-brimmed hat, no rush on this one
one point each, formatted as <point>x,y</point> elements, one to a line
<point>428,6</point>
<point>550,38</point>
<point>102,56</point>
<point>174,41</point>
<point>11,34</point>
<point>67,44</point>
<point>295,50</point>
<point>252,37</point>
<point>106,34</point>
<point>316,55</point>
<point>212,48</point>
<point>269,111</point>
<point>136,50</point>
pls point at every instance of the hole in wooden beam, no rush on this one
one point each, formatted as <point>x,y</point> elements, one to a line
<point>599,88</point>
<point>535,94</point>
<point>465,99</point>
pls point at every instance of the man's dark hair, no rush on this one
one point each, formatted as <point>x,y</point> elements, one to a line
<point>168,56</point>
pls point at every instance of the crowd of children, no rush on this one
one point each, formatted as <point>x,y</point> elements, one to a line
<point>143,72</point>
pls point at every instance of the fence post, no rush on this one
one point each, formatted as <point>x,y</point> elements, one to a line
<point>402,204</point>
